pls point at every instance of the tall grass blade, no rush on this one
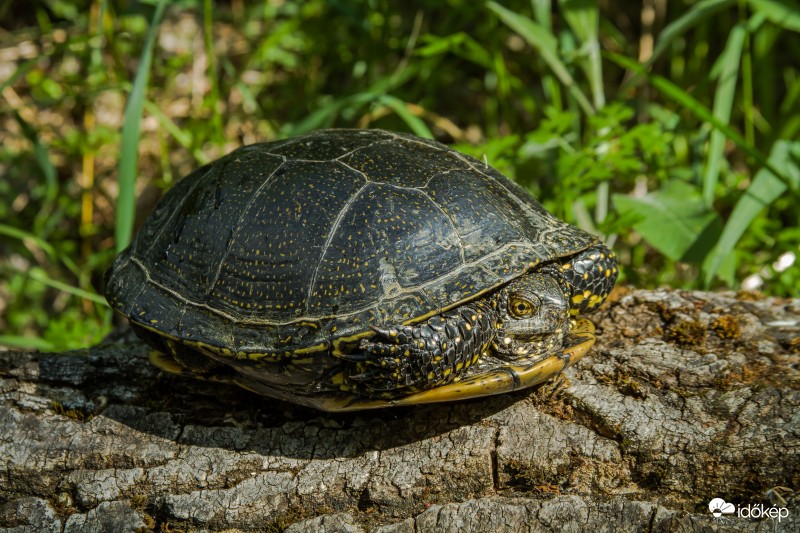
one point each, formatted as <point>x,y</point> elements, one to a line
<point>212,75</point>
<point>727,74</point>
<point>415,124</point>
<point>783,13</point>
<point>694,16</point>
<point>765,189</point>
<point>583,19</point>
<point>676,94</point>
<point>768,74</point>
<point>547,45</point>
<point>183,137</point>
<point>22,235</point>
<point>325,115</point>
<point>96,43</point>
<point>459,44</point>
<point>42,156</point>
<point>21,342</point>
<point>244,90</point>
<point>543,12</point>
<point>20,71</point>
<point>129,149</point>
<point>29,239</point>
<point>41,277</point>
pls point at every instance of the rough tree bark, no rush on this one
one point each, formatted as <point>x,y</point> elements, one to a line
<point>687,397</point>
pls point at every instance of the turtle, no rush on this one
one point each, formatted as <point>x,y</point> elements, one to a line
<point>349,269</point>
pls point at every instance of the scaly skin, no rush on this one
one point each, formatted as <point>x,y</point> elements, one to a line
<point>436,351</point>
<point>527,318</point>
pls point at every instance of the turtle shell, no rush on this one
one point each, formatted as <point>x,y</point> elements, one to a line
<point>284,249</point>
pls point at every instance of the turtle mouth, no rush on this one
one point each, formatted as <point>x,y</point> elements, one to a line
<point>513,345</point>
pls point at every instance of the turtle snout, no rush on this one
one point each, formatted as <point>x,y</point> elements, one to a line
<point>536,326</point>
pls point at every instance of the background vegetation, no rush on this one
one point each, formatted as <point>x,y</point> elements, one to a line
<point>671,128</point>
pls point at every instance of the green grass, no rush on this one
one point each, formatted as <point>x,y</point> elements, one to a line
<point>129,144</point>
<point>686,159</point>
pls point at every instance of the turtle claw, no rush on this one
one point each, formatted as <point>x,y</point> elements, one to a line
<point>377,354</point>
<point>393,335</point>
<point>387,333</point>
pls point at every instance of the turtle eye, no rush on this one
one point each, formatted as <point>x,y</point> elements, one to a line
<point>520,307</point>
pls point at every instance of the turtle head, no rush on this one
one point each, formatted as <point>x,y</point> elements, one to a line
<point>533,316</point>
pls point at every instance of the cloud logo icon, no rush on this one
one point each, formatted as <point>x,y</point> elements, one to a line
<point>719,507</point>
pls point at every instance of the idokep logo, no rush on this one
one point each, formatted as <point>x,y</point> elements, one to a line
<point>719,507</point>
<point>759,510</point>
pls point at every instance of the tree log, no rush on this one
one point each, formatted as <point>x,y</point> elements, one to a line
<point>687,397</point>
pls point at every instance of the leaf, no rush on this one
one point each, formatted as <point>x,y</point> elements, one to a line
<point>765,189</point>
<point>129,150</point>
<point>673,219</point>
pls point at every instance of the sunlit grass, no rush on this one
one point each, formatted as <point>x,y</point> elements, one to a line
<point>687,161</point>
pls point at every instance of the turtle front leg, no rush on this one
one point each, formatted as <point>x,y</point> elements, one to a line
<point>422,356</point>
